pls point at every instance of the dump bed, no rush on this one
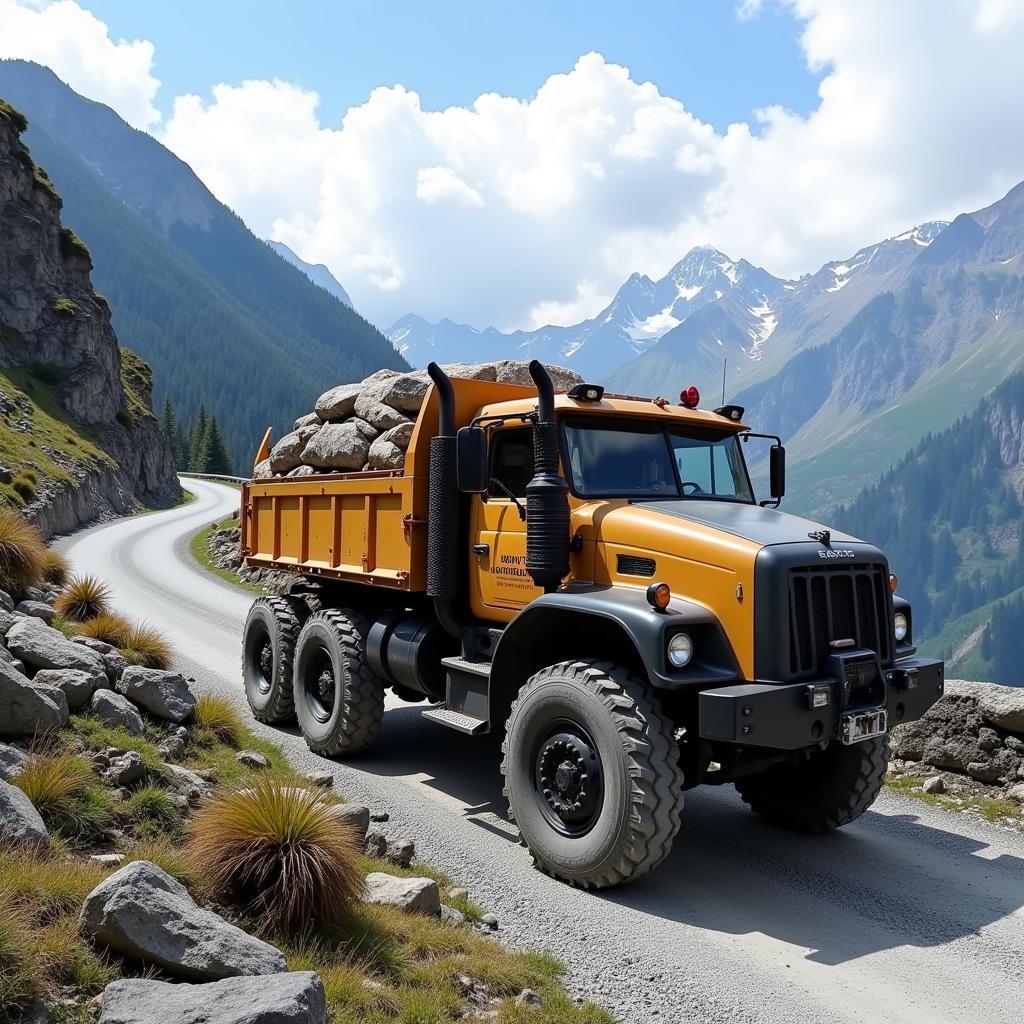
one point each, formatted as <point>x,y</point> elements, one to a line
<point>364,527</point>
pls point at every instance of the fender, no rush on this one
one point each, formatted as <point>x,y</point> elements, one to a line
<point>612,622</point>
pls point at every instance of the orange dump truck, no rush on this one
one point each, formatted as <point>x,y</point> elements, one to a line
<point>591,577</point>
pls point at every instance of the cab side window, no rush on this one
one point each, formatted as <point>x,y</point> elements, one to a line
<point>512,460</point>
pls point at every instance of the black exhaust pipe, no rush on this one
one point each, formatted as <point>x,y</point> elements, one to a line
<point>547,494</point>
<point>443,508</point>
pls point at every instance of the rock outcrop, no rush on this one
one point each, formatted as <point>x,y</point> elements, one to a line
<point>107,451</point>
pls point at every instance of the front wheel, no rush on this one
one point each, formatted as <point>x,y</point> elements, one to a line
<point>339,702</point>
<point>592,774</point>
<point>268,646</point>
<point>827,790</point>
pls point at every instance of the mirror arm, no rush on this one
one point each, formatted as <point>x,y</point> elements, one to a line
<point>498,485</point>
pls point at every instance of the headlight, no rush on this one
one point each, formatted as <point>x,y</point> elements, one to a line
<point>680,650</point>
<point>901,626</point>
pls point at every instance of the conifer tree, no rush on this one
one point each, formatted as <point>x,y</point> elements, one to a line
<point>197,443</point>
<point>215,458</point>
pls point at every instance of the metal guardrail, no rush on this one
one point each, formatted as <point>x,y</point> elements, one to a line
<point>215,476</point>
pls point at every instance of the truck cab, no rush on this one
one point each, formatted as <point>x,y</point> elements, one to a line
<point>593,577</point>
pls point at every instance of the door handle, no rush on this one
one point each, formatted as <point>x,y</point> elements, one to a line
<point>481,549</point>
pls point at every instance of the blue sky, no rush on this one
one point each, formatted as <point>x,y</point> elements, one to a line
<point>721,65</point>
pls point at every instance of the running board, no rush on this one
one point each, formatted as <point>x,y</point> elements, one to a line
<point>455,720</point>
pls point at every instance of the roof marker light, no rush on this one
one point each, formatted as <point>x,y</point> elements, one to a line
<point>690,397</point>
<point>586,393</point>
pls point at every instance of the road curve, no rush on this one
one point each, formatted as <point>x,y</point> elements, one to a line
<point>909,915</point>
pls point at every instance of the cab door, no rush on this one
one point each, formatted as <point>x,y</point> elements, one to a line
<point>499,583</point>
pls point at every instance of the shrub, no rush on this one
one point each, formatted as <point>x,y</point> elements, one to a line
<point>63,306</point>
<point>220,717</point>
<point>84,598</point>
<point>279,852</point>
<point>21,550</point>
<point>14,115</point>
<point>45,182</point>
<point>146,645</point>
<point>109,627</point>
<point>24,485</point>
<point>56,569</point>
<point>72,245</point>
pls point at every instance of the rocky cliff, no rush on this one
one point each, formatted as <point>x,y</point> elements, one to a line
<point>78,438</point>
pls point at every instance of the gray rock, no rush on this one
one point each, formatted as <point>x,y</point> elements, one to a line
<point>323,779</point>
<point>126,769</point>
<point>190,785</point>
<point>292,998</point>
<point>380,816</point>
<point>20,823</point>
<point>143,912</point>
<point>58,696</point>
<point>262,470</point>
<point>385,455</point>
<point>337,403</point>
<point>399,436</point>
<point>529,998</point>
<point>8,619</point>
<point>6,601</point>
<point>400,852</point>
<point>114,710</point>
<point>1002,706</point>
<point>76,685</point>
<point>33,594</point>
<point>172,748</point>
<point>115,663</point>
<point>452,916</point>
<point>458,893</point>
<point>376,844</point>
<point>490,921</point>
<point>517,371</point>
<point>41,646</point>
<point>413,895</point>
<point>379,415</point>
<point>935,784</point>
<point>984,771</point>
<point>252,759</point>
<point>5,655</point>
<point>355,817</point>
<point>309,420</point>
<point>101,647</point>
<point>163,694</point>
<point>12,761</point>
<point>107,860</point>
<point>1016,793</point>
<point>341,446</point>
<point>37,610</point>
<point>301,471</point>
<point>25,710</point>
<point>287,453</point>
<point>988,739</point>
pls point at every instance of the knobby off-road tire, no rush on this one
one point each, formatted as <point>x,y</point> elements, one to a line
<point>268,647</point>
<point>631,829</point>
<point>339,702</point>
<point>830,789</point>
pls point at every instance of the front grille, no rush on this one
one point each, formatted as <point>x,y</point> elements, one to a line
<point>827,603</point>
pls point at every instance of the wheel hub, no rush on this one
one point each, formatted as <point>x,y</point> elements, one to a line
<point>266,659</point>
<point>325,686</point>
<point>568,775</point>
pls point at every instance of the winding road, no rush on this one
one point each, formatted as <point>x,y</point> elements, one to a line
<point>912,914</point>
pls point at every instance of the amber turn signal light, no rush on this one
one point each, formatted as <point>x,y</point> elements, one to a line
<point>658,596</point>
<point>893,583</point>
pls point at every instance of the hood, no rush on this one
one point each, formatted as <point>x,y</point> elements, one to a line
<point>752,523</point>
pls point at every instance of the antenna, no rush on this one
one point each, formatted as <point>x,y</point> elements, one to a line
<point>725,362</point>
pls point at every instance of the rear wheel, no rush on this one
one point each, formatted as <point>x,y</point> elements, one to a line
<point>268,647</point>
<point>829,789</point>
<point>339,702</point>
<point>592,774</point>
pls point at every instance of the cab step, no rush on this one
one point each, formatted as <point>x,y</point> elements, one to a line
<point>474,668</point>
<point>455,720</point>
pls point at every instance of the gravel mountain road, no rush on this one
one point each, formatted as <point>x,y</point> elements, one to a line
<point>910,915</point>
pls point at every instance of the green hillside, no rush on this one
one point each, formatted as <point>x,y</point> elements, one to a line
<point>948,516</point>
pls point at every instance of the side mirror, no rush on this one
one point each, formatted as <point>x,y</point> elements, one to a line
<point>471,469</point>
<point>777,471</point>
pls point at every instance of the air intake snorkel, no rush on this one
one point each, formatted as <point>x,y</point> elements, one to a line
<point>547,494</point>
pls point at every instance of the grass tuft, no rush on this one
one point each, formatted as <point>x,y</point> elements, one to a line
<point>152,813</point>
<point>20,960</point>
<point>83,598</point>
<point>220,718</point>
<point>109,627</point>
<point>22,551</point>
<point>146,645</point>
<point>162,852</point>
<point>56,569</point>
<point>67,795</point>
<point>280,853</point>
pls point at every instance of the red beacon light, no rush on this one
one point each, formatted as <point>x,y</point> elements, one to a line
<point>690,397</point>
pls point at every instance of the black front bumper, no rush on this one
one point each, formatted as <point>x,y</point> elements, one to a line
<point>788,716</point>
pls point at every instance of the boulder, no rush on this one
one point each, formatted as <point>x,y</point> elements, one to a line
<point>309,420</point>
<point>339,446</point>
<point>301,471</point>
<point>413,895</point>
<point>935,784</point>
<point>76,685</point>
<point>12,761</point>
<point>115,663</point>
<point>41,646</point>
<point>262,470</point>
<point>1002,706</point>
<point>8,619</point>
<point>114,710</point>
<point>355,816</point>
<point>24,709</point>
<point>376,843</point>
<point>385,455</point>
<point>287,453</point>
<point>6,601</point>
<point>452,916</point>
<point>37,610</point>
<point>163,694</point>
<point>20,823</point>
<point>101,647</point>
<point>58,696</point>
<point>126,769</point>
<point>292,998</point>
<point>517,371</point>
<point>399,436</point>
<point>377,413</point>
<point>142,912</point>
<point>337,403</point>
<point>400,852</point>
<point>252,759</point>
<point>188,784</point>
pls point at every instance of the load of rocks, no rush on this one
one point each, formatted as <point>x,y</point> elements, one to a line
<point>368,425</point>
<point>970,742</point>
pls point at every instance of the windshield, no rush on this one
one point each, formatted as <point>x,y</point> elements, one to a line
<point>646,459</point>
